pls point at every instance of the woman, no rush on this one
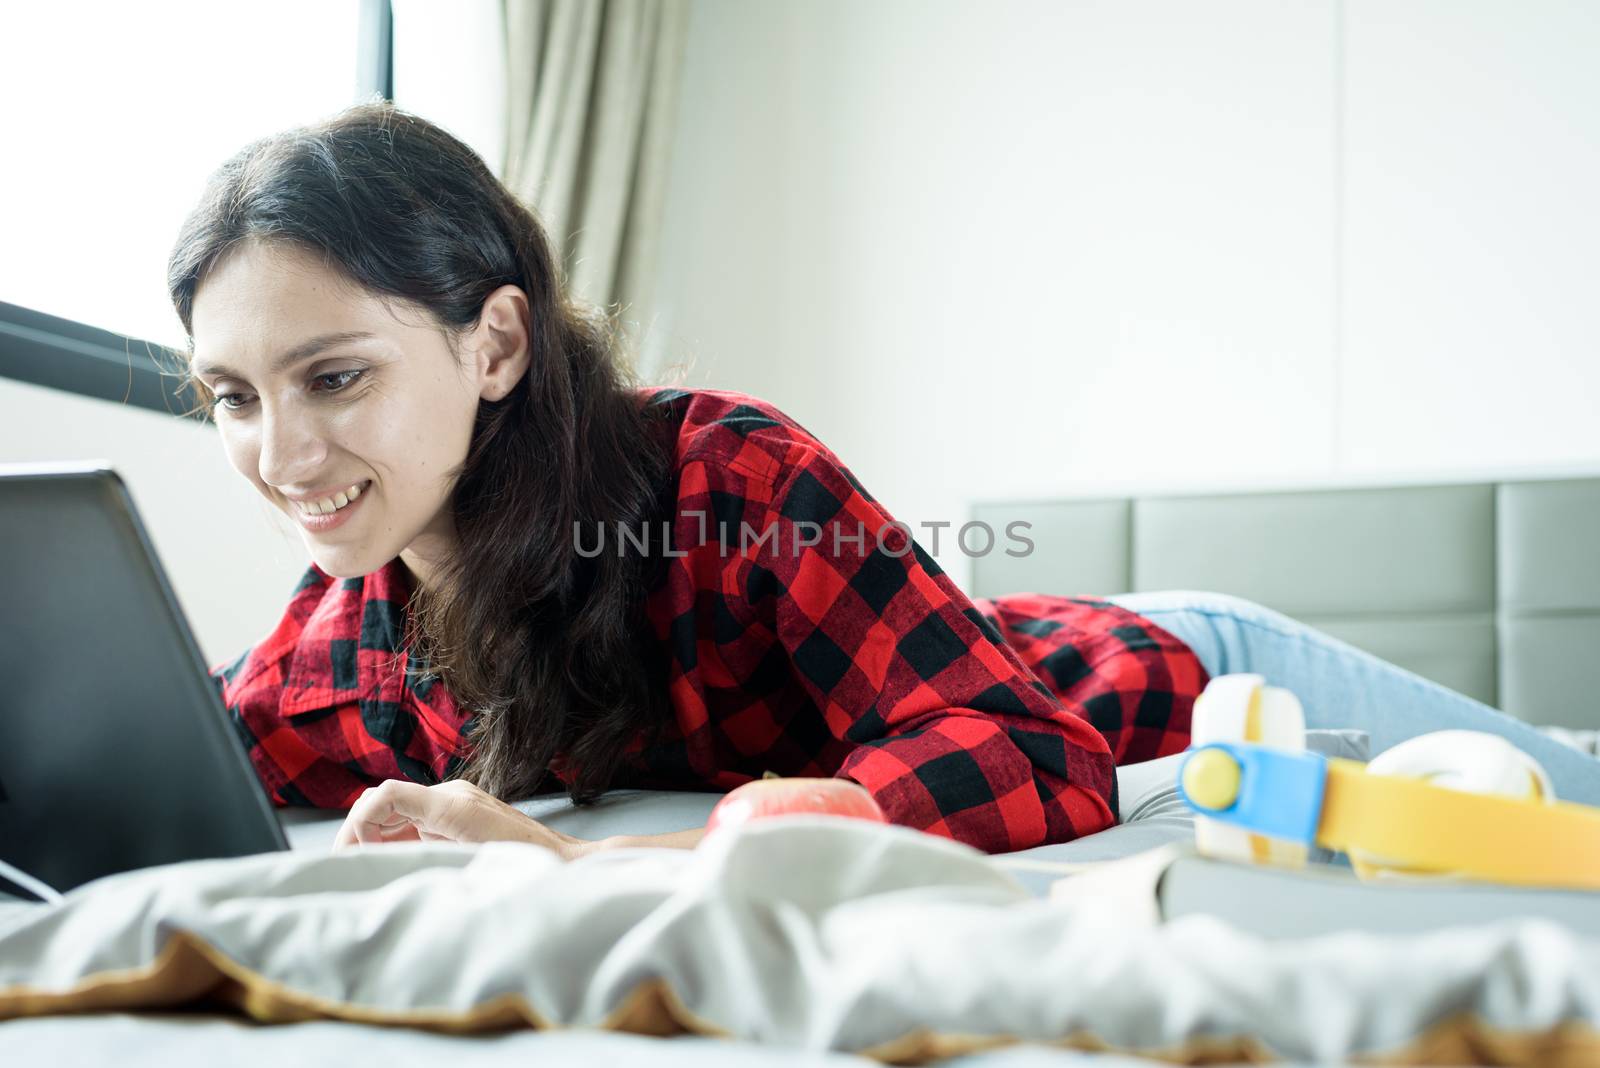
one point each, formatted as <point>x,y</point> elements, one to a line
<point>526,570</point>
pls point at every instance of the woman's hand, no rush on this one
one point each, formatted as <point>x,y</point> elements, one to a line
<point>454,811</point>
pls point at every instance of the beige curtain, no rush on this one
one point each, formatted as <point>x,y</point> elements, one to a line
<point>593,90</point>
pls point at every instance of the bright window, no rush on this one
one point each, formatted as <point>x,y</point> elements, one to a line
<point>114,115</point>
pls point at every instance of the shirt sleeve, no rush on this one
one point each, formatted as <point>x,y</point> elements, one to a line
<point>946,727</point>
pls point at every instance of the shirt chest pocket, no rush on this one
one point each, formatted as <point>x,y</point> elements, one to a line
<point>369,710</point>
<point>351,705</point>
<point>321,677</point>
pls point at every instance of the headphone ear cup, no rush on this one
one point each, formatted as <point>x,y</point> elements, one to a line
<point>1243,708</point>
<point>1469,761</point>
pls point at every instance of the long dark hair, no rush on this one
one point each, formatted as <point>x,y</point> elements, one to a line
<point>547,648</point>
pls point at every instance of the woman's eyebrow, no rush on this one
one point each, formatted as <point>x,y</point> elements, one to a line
<point>287,359</point>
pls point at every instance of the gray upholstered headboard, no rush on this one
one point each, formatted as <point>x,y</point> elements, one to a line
<point>1490,588</point>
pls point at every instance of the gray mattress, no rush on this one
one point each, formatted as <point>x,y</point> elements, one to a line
<point>1324,899</point>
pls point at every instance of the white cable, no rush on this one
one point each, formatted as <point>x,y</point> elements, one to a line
<point>21,878</point>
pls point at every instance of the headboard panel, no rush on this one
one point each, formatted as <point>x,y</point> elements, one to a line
<point>1492,589</point>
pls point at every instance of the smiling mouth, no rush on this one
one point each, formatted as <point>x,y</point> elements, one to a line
<point>331,504</point>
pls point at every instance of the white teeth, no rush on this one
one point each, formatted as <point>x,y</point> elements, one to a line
<point>329,505</point>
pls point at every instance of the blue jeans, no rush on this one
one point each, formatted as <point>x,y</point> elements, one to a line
<point>1342,686</point>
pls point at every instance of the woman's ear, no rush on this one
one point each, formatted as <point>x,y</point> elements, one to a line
<point>501,342</point>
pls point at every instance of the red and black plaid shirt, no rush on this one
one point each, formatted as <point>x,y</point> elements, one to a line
<point>995,722</point>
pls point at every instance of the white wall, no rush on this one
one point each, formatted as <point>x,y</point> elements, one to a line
<point>1471,241</point>
<point>1022,249</point>
<point>233,559</point>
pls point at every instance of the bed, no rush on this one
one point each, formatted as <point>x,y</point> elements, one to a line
<point>823,942</point>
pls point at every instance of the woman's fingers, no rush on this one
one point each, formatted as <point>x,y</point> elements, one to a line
<point>404,833</point>
<point>392,808</point>
<point>455,811</point>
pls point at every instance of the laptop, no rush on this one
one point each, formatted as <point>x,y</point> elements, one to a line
<point>115,749</point>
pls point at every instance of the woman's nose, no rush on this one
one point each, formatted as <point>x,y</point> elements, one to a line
<point>292,449</point>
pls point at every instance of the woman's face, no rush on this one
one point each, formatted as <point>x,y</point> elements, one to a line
<point>352,416</point>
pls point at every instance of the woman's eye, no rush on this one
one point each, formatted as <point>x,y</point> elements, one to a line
<point>334,381</point>
<point>231,401</point>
